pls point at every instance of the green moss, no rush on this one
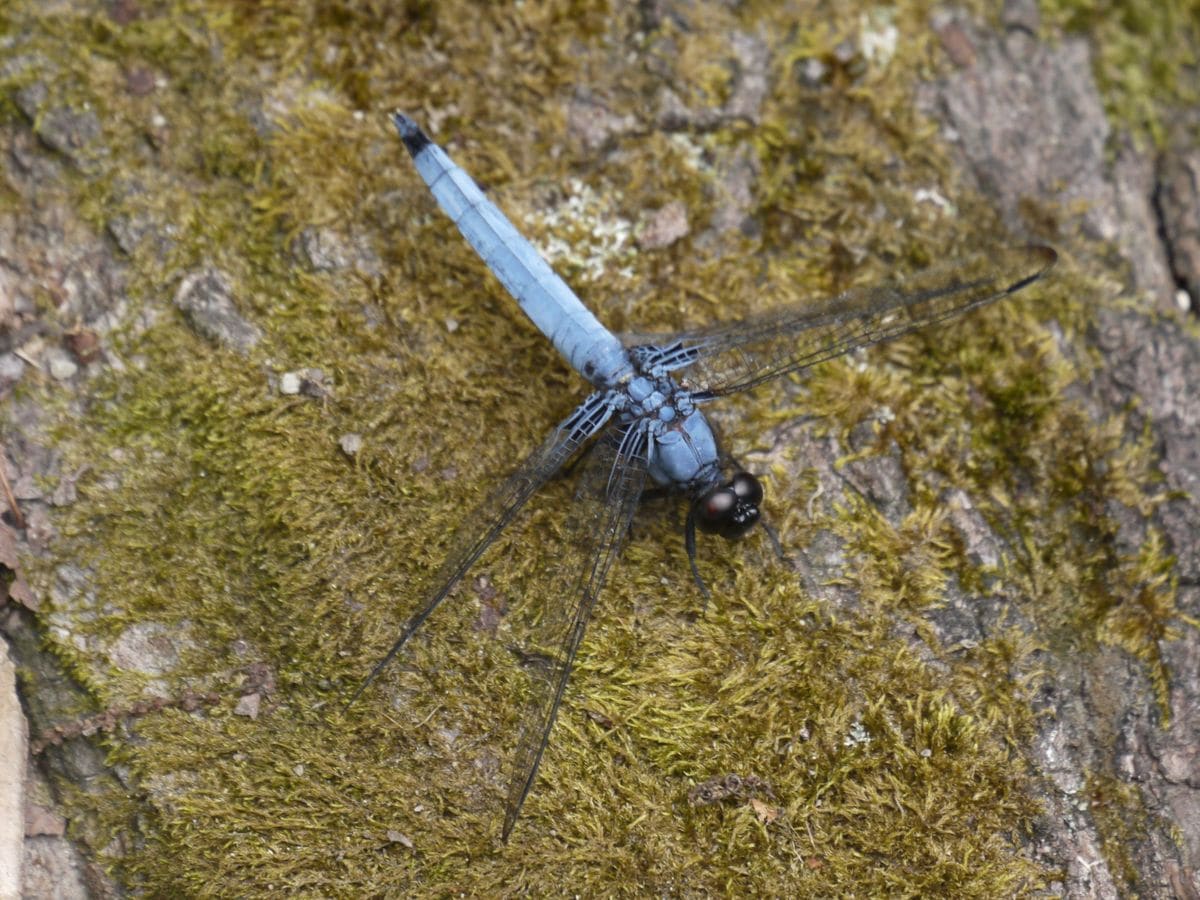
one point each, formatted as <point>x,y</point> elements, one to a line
<point>1123,820</point>
<point>226,514</point>
<point>1145,56</point>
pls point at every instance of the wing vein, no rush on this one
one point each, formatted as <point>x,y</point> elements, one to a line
<point>597,526</point>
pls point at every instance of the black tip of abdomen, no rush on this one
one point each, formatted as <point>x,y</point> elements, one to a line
<point>410,132</point>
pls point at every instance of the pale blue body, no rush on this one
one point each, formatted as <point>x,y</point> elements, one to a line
<point>682,451</point>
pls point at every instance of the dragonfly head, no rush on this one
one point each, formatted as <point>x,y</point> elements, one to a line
<point>729,509</point>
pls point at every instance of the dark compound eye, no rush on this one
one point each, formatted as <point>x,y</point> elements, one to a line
<point>731,509</point>
<point>747,487</point>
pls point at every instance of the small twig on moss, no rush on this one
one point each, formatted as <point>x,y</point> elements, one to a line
<point>18,518</point>
<point>189,701</point>
<point>729,787</point>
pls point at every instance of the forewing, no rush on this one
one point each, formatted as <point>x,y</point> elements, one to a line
<point>597,525</point>
<point>730,358</point>
<point>485,523</point>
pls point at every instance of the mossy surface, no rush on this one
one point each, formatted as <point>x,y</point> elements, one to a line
<point>221,522</point>
<point>1141,89</point>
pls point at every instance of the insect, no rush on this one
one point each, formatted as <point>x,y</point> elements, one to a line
<point>646,413</point>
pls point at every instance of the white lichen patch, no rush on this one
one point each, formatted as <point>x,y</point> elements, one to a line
<point>857,736</point>
<point>584,236</point>
<point>879,36</point>
<point>690,152</point>
<point>932,195</point>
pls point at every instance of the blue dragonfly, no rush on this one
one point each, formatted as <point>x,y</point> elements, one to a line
<point>645,411</point>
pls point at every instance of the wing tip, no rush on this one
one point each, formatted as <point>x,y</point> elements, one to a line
<point>1044,252</point>
<point>1043,256</point>
<point>507,830</point>
<point>415,140</point>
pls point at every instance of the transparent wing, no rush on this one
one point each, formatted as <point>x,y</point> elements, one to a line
<point>728,358</point>
<point>597,525</point>
<point>485,523</point>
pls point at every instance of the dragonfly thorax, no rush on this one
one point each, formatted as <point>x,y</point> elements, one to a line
<point>683,455</point>
<point>681,448</point>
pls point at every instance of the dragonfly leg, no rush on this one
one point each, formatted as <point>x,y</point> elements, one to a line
<point>774,536</point>
<point>654,494</point>
<point>689,543</point>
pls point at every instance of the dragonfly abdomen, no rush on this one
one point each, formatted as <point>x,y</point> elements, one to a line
<point>590,348</point>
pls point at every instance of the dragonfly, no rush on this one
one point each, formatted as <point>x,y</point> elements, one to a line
<point>645,414</point>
